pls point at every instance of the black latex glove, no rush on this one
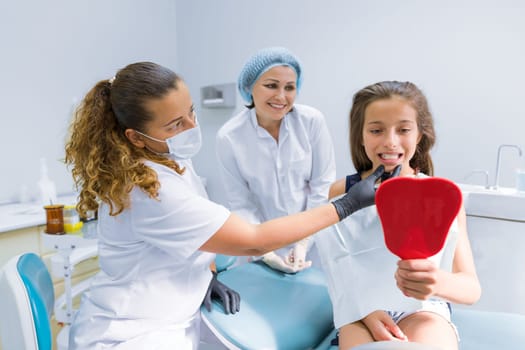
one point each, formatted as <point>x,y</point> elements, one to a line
<point>362,194</point>
<point>394,173</point>
<point>231,300</point>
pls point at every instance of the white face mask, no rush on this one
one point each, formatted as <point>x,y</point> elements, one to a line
<point>183,145</point>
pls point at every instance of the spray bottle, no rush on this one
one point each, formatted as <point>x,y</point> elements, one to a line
<point>48,192</point>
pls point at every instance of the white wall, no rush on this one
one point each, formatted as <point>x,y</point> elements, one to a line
<point>52,52</point>
<point>467,56</point>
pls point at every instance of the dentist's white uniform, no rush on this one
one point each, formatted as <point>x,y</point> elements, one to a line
<point>264,179</point>
<point>153,278</point>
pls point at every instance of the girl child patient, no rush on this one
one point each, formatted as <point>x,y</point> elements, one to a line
<point>376,296</point>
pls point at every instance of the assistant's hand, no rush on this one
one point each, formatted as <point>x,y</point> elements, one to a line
<point>297,256</point>
<point>231,300</point>
<point>382,327</point>
<point>417,278</point>
<point>277,263</point>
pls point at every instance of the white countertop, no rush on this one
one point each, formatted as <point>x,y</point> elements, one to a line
<point>18,216</point>
<point>22,215</point>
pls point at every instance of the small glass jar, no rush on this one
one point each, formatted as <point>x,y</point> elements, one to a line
<point>89,229</point>
<point>54,219</point>
<point>72,223</point>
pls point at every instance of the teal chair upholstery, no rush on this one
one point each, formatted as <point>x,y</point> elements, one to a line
<point>489,330</point>
<point>277,311</point>
<point>26,300</point>
<point>486,330</point>
<point>223,262</point>
<point>281,311</point>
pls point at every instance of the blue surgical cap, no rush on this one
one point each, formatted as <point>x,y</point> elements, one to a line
<point>261,62</point>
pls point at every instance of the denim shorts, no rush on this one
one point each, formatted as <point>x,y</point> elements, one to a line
<point>442,308</point>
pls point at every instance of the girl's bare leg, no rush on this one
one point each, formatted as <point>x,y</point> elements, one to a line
<point>353,334</point>
<point>429,328</point>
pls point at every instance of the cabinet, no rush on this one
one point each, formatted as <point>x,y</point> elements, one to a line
<point>20,241</point>
<point>496,227</point>
<point>497,247</point>
<point>30,240</point>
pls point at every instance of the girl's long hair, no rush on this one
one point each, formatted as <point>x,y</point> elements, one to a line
<point>385,90</point>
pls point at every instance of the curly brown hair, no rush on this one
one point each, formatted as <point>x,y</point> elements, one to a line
<point>385,90</point>
<point>105,165</point>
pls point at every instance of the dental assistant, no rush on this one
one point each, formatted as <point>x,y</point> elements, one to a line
<point>276,157</point>
<point>129,150</point>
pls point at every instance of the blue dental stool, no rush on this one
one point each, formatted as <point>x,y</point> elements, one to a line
<point>293,312</point>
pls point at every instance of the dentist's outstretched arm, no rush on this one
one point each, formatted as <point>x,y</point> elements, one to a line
<point>238,237</point>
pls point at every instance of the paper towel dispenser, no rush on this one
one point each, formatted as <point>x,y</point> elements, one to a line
<point>219,96</point>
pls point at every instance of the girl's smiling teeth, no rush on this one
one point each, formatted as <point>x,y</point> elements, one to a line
<point>389,156</point>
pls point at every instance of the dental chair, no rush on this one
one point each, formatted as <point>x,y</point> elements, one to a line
<point>27,301</point>
<point>488,330</point>
<point>484,330</point>
<point>278,310</point>
<point>288,312</point>
<point>71,250</point>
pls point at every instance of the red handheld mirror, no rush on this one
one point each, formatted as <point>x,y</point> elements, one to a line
<point>416,214</point>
